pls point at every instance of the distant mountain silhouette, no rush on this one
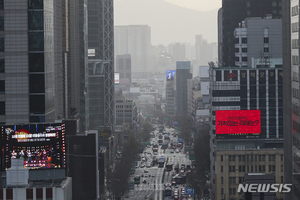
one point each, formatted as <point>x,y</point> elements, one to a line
<point>169,23</point>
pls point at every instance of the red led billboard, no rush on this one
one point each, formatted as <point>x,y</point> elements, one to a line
<point>238,121</point>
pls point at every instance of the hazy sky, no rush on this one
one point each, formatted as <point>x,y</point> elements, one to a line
<point>203,5</point>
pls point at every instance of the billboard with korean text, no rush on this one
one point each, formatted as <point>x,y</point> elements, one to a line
<point>238,122</point>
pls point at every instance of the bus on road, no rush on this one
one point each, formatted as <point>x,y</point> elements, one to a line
<point>169,166</point>
<point>137,180</point>
<point>161,162</point>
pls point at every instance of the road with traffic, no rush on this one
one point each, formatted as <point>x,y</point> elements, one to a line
<point>154,178</point>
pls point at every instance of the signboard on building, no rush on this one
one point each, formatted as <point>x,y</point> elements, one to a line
<point>238,122</point>
<point>170,75</point>
<point>37,145</point>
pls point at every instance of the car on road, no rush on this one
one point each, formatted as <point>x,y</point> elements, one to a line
<point>172,151</point>
<point>148,165</point>
<point>146,171</point>
<point>126,195</point>
<point>174,183</point>
<point>177,150</point>
<point>155,153</point>
<point>142,165</point>
<point>144,181</point>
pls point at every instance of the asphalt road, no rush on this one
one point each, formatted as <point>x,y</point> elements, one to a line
<point>148,189</point>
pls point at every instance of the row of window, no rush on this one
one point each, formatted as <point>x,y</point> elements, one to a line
<point>255,168</point>
<point>232,158</point>
<point>295,44</point>
<point>295,10</point>
<point>295,27</point>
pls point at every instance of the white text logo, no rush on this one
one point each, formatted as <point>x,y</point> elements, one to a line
<point>264,187</point>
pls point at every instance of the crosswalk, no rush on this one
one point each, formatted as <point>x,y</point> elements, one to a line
<point>147,187</point>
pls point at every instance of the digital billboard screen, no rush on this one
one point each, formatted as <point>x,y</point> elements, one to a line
<point>238,122</point>
<point>170,75</point>
<point>117,78</point>
<point>38,145</point>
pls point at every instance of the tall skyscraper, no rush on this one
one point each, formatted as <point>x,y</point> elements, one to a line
<point>136,41</point>
<point>291,123</point>
<point>235,11</point>
<point>100,90</point>
<point>182,75</point>
<point>77,65</point>
<point>31,58</point>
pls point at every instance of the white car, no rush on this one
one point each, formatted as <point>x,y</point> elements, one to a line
<point>177,150</point>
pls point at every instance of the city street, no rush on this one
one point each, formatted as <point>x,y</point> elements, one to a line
<point>154,176</point>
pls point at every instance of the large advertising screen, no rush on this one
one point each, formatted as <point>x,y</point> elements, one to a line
<point>38,145</point>
<point>170,75</point>
<point>238,122</point>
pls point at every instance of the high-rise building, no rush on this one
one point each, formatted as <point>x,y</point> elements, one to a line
<point>291,102</point>
<point>136,41</point>
<point>170,92</point>
<point>123,67</point>
<point>77,65</point>
<point>182,75</point>
<point>258,41</point>
<point>239,95</point>
<point>31,60</point>
<point>235,11</point>
<point>100,89</point>
<point>205,51</point>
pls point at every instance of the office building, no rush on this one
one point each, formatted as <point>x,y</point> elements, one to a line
<point>236,94</point>
<point>136,41</point>
<point>182,75</point>
<point>258,40</point>
<point>290,37</point>
<point>100,89</point>
<point>78,64</point>
<point>205,51</point>
<point>31,58</point>
<point>170,93</point>
<point>123,67</point>
<point>234,165</point>
<point>233,12</point>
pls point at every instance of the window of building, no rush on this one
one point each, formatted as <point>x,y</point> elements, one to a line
<point>281,168</point>
<point>37,104</point>
<point>1,23</point>
<point>221,168</point>
<point>35,4</point>
<point>263,157</point>
<point>244,50</point>
<point>222,191</point>
<point>237,59</point>
<point>222,180</point>
<point>266,40</point>
<point>237,50</point>
<point>1,44</point>
<point>244,40</point>
<point>1,5</point>
<point>221,158</point>
<point>218,76</point>
<point>281,157</point>
<point>2,66</point>
<point>244,59</point>
<point>2,87</point>
<point>266,49</point>
<point>2,107</point>
<point>231,180</point>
